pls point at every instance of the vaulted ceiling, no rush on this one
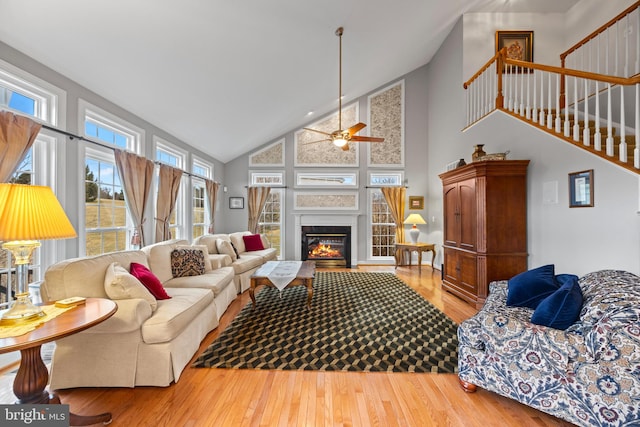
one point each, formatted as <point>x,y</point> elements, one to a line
<point>228,76</point>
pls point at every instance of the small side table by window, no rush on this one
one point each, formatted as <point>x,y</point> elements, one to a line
<point>401,248</point>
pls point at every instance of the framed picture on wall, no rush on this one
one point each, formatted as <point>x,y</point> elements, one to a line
<point>519,46</point>
<point>416,202</point>
<point>581,189</point>
<point>236,202</point>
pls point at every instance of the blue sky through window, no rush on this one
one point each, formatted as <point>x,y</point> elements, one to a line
<point>104,134</point>
<point>22,103</point>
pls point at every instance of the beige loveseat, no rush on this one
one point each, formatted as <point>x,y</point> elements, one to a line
<point>137,346</point>
<point>245,263</point>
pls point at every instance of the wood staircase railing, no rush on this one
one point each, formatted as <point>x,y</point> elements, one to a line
<point>595,115</point>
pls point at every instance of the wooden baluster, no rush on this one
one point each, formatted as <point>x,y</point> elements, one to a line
<point>499,77</point>
<point>586,132</point>
<point>576,125</point>
<point>623,129</point>
<point>609,123</point>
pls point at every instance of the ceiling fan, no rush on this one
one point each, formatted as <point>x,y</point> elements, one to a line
<point>342,137</point>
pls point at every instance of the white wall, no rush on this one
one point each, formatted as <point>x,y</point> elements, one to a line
<point>577,240</point>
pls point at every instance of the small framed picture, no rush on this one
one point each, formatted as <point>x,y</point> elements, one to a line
<point>416,202</point>
<point>581,189</point>
<point>519,46</point>
<point>236,202</point>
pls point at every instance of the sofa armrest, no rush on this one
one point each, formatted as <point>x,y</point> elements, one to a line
<point>510,339</point>
<point>130,316</point>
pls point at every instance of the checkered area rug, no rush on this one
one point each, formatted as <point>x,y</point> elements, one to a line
<point>357,322</point>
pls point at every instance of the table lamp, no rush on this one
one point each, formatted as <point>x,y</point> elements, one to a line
<point>414,219</point>
<point>28,213</point>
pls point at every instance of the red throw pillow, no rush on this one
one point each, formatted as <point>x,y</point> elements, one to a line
<point>149,280</point>
<point>253,242</point>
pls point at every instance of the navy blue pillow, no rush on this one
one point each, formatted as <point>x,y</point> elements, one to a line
<point>561,309</point>
<point>529,288</point>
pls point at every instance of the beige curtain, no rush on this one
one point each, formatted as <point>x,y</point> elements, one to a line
<point>136,174</point>
<point>17,134</point>
<point>212,195</point>
<point>395,197</point>
<point>168,186</point>
<point>257,197</point>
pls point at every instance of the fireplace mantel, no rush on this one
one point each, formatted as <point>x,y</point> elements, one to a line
<point>327,218</point>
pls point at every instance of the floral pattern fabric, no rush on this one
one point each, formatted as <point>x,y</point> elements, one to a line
<point>588,374</point>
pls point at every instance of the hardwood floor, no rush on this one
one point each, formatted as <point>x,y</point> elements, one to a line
<point>222,397</point>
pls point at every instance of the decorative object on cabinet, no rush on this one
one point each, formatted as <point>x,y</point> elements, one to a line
<point>416,202</point>
<point>236,202</point>
<point>461,162</point>
<point>479,152</point>
<point>519,46</point>
<point>485,226</point>
<point>581,189</point>
<point>414,219</point>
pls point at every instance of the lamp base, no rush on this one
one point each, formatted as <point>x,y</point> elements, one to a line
<point>414,233</point>
<point>22,310</point>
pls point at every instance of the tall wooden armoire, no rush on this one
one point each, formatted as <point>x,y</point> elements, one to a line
<point>485,226</point>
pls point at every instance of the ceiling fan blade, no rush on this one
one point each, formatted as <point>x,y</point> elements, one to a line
<point>318,131</point>
<point>356,128</point>
<point>316,141</point>
<point>366,139</point>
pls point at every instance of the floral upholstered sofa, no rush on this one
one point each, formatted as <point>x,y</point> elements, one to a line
<point>588,374</point>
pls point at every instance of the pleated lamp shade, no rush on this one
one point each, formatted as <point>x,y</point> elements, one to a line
<point>32,212</point>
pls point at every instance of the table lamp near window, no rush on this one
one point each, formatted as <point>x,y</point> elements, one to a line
<point>28,213</point>
<point>414,219</point>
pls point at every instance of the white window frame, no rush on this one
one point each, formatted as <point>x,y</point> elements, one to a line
<point>279,181</point>
<point>103,151</point>
<point>184,192</point>
<point>395,179</point>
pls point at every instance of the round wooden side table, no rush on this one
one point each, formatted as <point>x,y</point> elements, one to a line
<point>32,376</point>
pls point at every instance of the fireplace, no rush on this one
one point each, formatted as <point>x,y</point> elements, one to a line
<point>328,246</point>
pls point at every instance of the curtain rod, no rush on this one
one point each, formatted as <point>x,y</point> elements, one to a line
<point>382,186</point>
<point>110,147</point>
<point>270,186</point>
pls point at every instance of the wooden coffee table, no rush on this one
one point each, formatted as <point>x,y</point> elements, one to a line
<point>304,277</point>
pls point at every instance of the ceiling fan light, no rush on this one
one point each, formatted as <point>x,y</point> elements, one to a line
<point>339,142</point>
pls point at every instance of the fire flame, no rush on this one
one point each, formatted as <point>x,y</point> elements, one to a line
<point>324,251</point>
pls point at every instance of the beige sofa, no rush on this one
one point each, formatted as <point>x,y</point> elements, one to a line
<point>137,346</point>
<point>245,264</point>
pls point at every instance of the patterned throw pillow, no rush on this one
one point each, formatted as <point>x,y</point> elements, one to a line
<point>187,262</point>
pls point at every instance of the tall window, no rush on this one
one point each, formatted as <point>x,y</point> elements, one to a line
<point>382,228</point>
<point>28,95</point>
<point>107,225</point>
<point>169,155</point>
<point>270,222</point>
<point>200,210</point>
<point>105,211</point>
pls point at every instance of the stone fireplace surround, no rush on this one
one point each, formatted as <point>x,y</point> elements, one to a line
<point>327,219</point>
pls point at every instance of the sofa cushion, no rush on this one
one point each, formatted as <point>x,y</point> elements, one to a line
<point>252,242</point>
<point>560,309</point>
<point>209,240</point>
<point>215,280</point>
<point>225,247</point>
<point>187,262</point>
<point>120,284</point>
<point>246,263</point>
<point>527,289</point>
<point>149,280</point>
<point>173,315</point>
<point>238,241</point>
